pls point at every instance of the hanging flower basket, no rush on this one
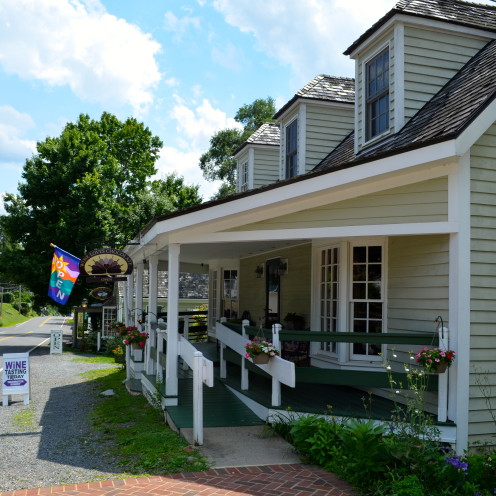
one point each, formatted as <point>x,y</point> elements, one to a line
<point>261,359</point>
<point>435,360</point>
<point>439,368</point>
<point>260,351</point>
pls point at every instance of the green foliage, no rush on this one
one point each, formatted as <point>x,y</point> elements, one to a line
<point>140,441</point>
<point>402,458</point>
<point>88,188</point>
<point>218,163</point>
<point>11,316</point>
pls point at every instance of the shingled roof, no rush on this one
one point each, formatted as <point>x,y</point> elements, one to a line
<point>452,11</point>
<point>325,88</point>
<point>444,117</point>
<point>267,134</point>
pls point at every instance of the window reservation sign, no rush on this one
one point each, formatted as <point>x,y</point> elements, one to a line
<point>15,376</point>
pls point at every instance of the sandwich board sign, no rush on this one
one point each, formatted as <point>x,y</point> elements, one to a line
<point>56,342</point>
<point>15,376</point>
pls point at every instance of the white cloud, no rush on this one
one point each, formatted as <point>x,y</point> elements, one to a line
<point>185,164</point>
<point>14,148</point>
<point>196,126</point>
<point>228,56</point>
<point>75,42</point>
<point>180,26</point>
<point>308,36</point>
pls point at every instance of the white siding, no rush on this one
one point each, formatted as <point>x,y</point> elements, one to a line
<point>482,422</point>
<point>432,58</point>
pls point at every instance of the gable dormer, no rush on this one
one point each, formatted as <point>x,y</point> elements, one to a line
<point>405,58</point>
<point>257,158</point>
<point>314,122</point>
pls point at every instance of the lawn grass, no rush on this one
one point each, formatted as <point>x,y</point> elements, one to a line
<point>10,316</point>
<point>140,441</point>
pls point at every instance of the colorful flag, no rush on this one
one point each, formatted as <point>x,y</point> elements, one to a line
<point>65,271</point>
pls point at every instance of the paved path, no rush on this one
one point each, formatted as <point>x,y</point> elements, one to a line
<point>278,480</point>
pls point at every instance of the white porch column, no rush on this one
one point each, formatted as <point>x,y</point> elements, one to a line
<point>152,288</point>
<point>139,293</point>
<point>171,385</point>
<point>129,299</point>
<point>459,300</point>
<point>152,308</point>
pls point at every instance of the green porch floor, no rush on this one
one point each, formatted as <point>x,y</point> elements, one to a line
<point>222,408</point>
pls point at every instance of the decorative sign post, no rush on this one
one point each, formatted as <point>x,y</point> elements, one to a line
<point>56,341</point>
<point>15,376</point>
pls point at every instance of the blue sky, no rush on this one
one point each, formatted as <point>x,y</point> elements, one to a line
<point>181,67</point>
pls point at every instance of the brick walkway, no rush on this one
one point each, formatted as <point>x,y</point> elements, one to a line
<point>277,480</point>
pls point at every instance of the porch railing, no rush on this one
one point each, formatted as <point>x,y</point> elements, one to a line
<point>202,370</point>
<point>379,378</point>
<point>281,371</point>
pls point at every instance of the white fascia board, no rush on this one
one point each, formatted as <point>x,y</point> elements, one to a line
<point>361,231</point>
<point>293,192</point>
<point>476,129</point>
<point>421,23</point>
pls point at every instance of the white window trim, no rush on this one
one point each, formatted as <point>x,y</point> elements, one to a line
<point>351,358</point>
<point>285,125</point>
<point>363,96</point>
<point>344,357</point>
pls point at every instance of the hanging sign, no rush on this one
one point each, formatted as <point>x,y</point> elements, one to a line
<point>101,293</point>
<point>15,376</point>
<point>106,262</point>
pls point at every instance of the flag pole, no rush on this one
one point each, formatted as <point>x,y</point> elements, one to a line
<point>53,246</point>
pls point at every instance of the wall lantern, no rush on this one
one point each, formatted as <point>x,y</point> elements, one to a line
<point>282,269</point>
<point>259,271</point>
<point>84,303</point>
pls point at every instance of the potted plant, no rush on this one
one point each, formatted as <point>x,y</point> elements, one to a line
<point>131,336</point>
<point>260,351</point>
<point>435,360</point>
<point>294,321</point>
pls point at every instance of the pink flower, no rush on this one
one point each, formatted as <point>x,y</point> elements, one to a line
<point>142,344</point>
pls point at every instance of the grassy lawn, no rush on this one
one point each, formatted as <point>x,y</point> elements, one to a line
<point>10,316</point>
<point>142,443</point>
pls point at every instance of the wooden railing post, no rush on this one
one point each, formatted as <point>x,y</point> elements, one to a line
<point>198,398</point>
<point>244,371</point>
<point>276,385</point>
<point>442,395</point>
<point>222,362</point>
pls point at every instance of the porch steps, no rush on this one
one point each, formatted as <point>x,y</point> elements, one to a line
<point>221,408</point>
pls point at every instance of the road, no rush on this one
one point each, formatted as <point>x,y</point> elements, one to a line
<point>24,337</point>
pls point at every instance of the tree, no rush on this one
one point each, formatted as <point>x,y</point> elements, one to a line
<point>218,163</point>
<point>85,189</point>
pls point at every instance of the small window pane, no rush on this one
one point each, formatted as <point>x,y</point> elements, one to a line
<point>359,291</point>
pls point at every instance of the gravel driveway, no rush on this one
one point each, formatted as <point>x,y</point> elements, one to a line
<point>50,442</point>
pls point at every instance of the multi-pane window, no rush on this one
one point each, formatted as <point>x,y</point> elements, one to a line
<point>243,177</point>
<point>292,149</point>
<point>329,294</point>
<point>377,84</point>
<point>367,298</point>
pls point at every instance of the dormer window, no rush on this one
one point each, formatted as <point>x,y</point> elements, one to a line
<point>292,149</point>
<point>377,84</point>
<point>243,184</point>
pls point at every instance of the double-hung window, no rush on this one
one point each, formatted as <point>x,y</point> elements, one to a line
<point>243,183</point>
<point>292,149</point>
<point>377,93</point>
